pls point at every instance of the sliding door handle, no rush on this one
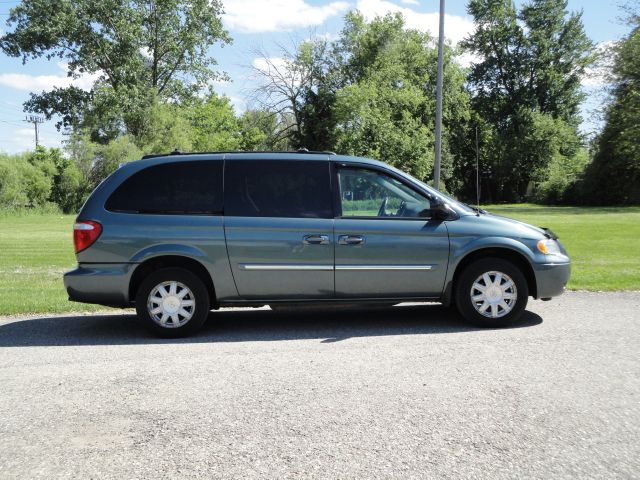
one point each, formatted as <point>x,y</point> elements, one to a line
<point>351,239</point>
<point>315,239</point>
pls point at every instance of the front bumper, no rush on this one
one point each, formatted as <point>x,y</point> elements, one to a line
<point>104,284</point>
<point>551,278</point>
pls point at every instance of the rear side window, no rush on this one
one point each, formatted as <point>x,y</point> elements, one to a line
<point>171,188</point>
<point>273,188</point>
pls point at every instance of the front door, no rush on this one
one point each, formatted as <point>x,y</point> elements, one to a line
<point>279,228</point>
<point>386,244</point>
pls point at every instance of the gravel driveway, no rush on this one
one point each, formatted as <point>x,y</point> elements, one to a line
<point>407,392</point>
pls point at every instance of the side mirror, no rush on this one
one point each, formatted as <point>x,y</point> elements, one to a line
<point>441,211</point>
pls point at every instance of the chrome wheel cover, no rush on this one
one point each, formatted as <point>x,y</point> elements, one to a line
<point>494,294</point>
<point>171,304</point>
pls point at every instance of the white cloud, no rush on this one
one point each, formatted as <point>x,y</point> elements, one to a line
<point>410,2</point>
<point>327,36</point>
<point>467,59</point>
<point>37,83</point>
<point>255,16</point>
<point>267,65</point>
<point>281,70</point>
<point>599,74</point>
<point>455,27</point>
<point>145,52</point>
<point>239,104</point>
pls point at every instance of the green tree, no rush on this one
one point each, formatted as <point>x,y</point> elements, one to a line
<point>44,159</point>
<point>199,124</point>
<point>23,184</point>
<point>12,192</point>
<point>139,49</point>
<point>214,124</point>
<point>110,156</point>
<point>166,129</point>
<point>614,175</point>
<point>371,92</point>
<point>531,63</point>
<point>67,186</point>
<point>82,152</point>
<point>386,108</point>
<point>261,130</point>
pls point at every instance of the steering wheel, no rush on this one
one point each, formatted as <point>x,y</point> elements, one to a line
<point>382,212</point>
<point>402,208</point>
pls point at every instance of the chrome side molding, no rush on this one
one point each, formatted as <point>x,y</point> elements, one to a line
<point>312,267</point>
<point>384,267</point>
<point>284,266</point>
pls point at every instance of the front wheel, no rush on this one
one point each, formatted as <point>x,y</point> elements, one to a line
<point>172,302</point>
<point>491,292</point>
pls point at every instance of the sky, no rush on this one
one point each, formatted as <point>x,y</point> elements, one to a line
<point>266,26</point>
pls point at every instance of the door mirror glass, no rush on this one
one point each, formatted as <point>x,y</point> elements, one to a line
<point>370,193</point>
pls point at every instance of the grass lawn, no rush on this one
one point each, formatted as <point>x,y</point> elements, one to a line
<point>35,249</point>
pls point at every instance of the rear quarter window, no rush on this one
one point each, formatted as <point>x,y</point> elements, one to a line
<point>171,188</point>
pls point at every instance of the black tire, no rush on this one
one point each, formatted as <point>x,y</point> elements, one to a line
<point>197,293</point>
<point>463,295</point>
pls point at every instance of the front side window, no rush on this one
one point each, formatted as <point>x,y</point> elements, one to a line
<point>171,188</point>
<point>370,193</point>
<point>278,188</point>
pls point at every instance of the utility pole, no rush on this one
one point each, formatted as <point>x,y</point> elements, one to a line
<point>36,121</point>
<point>437,162</point>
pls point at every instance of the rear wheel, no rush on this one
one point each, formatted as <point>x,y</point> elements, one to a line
<point>172,302</point>
<point>491,292</point>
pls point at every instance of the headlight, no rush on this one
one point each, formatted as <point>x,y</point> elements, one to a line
<point>549,247</point>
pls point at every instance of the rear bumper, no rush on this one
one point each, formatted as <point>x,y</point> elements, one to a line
<point>104,284</point>
<point>551,278</point>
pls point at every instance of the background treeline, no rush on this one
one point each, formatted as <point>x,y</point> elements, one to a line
<point>369,92</point>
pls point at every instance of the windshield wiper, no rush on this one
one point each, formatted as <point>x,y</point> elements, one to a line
<point>475,209</point>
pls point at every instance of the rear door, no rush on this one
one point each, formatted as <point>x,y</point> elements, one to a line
<point>387,246</point>
<point>279,227</point>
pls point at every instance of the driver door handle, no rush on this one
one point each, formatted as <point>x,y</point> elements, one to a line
<point>351,239</point>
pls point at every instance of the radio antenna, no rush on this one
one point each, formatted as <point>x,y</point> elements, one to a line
<point>477,171</point>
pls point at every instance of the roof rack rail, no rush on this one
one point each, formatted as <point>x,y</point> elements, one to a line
<point>155,155</point>
<point>319,152</point>
<point>177,152</point>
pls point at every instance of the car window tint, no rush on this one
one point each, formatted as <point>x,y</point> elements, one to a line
<point>172,188</point>
<point>370,193</point>
<point>273,188</point>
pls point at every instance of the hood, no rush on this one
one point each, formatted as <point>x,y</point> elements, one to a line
<point>516,228</point>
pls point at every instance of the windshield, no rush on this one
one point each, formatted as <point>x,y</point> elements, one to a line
<point>446,198</point>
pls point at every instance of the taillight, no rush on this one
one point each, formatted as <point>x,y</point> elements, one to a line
<point>85,233</point>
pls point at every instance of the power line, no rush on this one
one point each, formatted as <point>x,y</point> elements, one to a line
<point>11,123</point>
<point>8,110</point>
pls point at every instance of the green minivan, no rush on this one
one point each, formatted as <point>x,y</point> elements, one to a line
<point>178,235</point>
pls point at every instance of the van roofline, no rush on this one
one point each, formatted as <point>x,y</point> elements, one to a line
<point>300,150</point>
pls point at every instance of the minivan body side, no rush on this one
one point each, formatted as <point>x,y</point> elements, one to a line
<point>314,254</point>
